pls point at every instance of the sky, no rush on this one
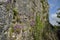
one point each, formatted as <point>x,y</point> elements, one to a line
<point>54,5</point>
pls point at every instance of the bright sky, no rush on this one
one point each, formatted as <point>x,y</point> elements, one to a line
<point>54,5</point>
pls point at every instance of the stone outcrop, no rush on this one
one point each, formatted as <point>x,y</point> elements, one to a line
<point>20,18</point>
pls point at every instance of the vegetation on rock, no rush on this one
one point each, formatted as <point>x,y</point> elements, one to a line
<point>30,21</point>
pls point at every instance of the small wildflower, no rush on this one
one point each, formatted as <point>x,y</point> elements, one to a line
<point>17,28</point>
<point>32,22</point>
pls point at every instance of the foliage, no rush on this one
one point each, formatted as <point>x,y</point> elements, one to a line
<point>38,28</point>
<point>15,11</point>
<point>58,15</point>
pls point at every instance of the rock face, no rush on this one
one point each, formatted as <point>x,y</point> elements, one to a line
<point>5,18</point>
<point>18,20</point>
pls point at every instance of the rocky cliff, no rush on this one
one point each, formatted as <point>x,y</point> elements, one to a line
<point>25,20</point>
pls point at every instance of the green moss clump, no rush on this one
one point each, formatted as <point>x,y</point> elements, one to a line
<point>15,12</point>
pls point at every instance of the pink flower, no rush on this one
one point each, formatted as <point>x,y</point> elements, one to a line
<point>17,26</point>
<point>32,23</point>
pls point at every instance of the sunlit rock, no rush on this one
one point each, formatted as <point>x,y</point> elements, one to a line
<point>3,0</point>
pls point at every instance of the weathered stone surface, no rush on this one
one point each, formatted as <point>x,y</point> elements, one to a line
<point>22,12</point>
<point>5,19</point>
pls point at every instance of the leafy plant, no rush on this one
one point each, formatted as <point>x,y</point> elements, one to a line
<point>38,28</point>
<point>15,11</point>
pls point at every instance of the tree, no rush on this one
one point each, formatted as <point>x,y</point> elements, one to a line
<point>58,15</point>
